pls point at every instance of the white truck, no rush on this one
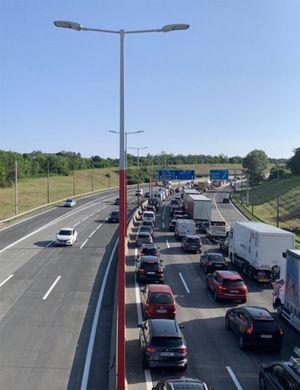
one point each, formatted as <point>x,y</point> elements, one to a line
<point>198,208</point>
<point>186,192</point>
<point>257,248</point>
<point>183,228</point>
<point>286,291</point>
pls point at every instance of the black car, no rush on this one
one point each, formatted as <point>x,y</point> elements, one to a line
<point>225,200</point>
<point>212,261</point>
<point>162,344</point>
<point>183,383</point>
<point>146,228</point>
<point>172,225</point>
<point>147,194</point>
<point>255,326</point>
<point>117,201</point>
<point>149,269</point>
<point>148,223</point>
<point>149,250</point>
<point>281,375</point>
<point>191,243</point>
<point>114,216</point>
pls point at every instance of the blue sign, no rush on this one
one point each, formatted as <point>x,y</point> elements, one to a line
<point>218,174</point>
<point>176,174</point>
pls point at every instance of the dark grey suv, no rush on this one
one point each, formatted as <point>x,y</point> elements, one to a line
<point>162,344</point>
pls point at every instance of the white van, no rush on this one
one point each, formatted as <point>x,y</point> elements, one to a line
<point>148,216</point>
<point>184,227</point>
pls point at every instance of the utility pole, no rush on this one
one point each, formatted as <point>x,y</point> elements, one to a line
<point>252,206</point>
<point>74,192</point>
<point>48,182</point>
<point>16,189</point>
<point>277,200</point>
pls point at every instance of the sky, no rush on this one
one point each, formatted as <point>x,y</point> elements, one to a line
<point>227,85</point>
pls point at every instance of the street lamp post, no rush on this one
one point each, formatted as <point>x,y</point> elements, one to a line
<point>138,172</point>
<point>122,187</point>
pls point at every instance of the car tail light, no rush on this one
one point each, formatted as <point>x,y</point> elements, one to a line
<point>249,330</point>
<point>182,350</point>
<point>280,331</point>
<point>141,269</point>
<point>220,287</point>
<point>160,270</point>
<point>209,263</point>
<point>150,349</point>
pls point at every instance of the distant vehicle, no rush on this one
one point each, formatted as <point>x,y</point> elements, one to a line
<point>66,236</point>
<point>139,192</point>
<point>226,200</point>
<point>191,243</point>
<point>147,194</point>
<point>281,375</point>
<point>158,301</point>
<point>146,228</point>
<point>172,225</point>
<point>148,216</point>
<point>143,238</point>
<point>70,203</point>
<point>149,250</point>
<point>151,208</point>
<point>212,261</point>
<point>227,285</point>
<point>163,344</point>
<point>149,269</point>
<point>154,202</point>
<point>114,216</point>
<point>117,201</point>
<point>224,246</point>
<point>183,383</point>
<point>183,228</point>
<point>255,326</point>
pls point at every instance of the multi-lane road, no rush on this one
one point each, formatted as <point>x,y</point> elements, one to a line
<point>214,353</point>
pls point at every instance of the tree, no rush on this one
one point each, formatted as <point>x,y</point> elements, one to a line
<point>294,162</point>
<point>255,163</point>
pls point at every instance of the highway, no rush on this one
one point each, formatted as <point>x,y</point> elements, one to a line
<point>214,353</point>
<point>49,295</point>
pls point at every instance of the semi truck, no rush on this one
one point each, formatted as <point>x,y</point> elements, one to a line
<point>286,291</point>
<point>186,192</point>
<point>256,248</point>
<point>184,227</point>
<point>198,208</point>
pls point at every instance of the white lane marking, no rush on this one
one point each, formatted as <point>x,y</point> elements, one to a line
<point>163,225</point>
<point>6,280</point>
<point>50,243</point>
<point>148,379</point>
<point>88,360</point>
<point>91,235</point>
<point>234,378</point>
<point>184,283</point>
<point>77,223</point>
<point>84,219</point>
<point>167,242</point>
<point>83,244</point>
<point>214,199</point>
<point>51,288</point>
<point>98,227</point>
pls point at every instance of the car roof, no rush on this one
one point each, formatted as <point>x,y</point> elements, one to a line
<point>186,384</point>
<point>66,228</point>
<point>164,328</point>
<point>159,288</point>
<point>214,254</point>
<point>232,275</point>
<point>149,246</point>
<point>258,313</point>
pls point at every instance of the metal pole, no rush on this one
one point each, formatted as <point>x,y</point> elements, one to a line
<point>122,227</point>
<point>252,206</point>
<point>74,192</point>
<point>138,177</point>
<point>248,189</point>
<point>16,189</point>
<point>92,179</point>
<point>48,182</point>
<point>277,201</point>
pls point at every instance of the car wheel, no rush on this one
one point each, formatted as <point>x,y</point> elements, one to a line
<point>216,296</point>
<point>242,342</point>
<point>227,325</point>
<point>262,383</point>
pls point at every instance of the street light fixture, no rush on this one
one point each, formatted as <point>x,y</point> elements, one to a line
<point>122,181</point>
<point>138,171</point>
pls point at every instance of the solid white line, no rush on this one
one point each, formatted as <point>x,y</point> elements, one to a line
<point>163,225</point>
<point>6,280</point>
<point>184,283</point>
<point>83,244</point>
<point>88,360</point>
<point>234,378</point>
<point>51,288</point>
<point>214,199</point>
<point>77,223</point>
<point>50,243</point>
<point>84,219</point>
<point>167,242</point>
<point>91,235</point>
<point>148,379</point>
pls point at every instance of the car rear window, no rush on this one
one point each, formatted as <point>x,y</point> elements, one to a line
<point>160,298</point>
<point>265,326</point>
<point>166,342</point>
<point>150,252</point>
<point>216,258</point>
<point>193,240</point>
<point>65,232</point>
<point>233,283</point>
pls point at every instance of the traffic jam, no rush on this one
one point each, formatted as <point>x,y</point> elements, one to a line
<point>191,268</point>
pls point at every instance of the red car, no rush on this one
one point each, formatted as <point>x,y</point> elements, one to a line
<point>158,301</point>
<point>227,285</point>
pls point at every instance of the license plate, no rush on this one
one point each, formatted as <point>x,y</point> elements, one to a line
<point>234,291</point>
<point>218,265</point>
<point>266,336</point>
<point>161,311</point>
<point>150,273</point>
<point>167,354</point>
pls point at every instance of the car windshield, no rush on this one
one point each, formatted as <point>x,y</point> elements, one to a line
<point>143,235</point>
<point>166,342</point>
<point>69,200</point>
<point>160,298</point>
<point>193,240</point>
<point>233,283</point>
<point>216,258</point>
<point>65,232</point>
<point>265,326</point>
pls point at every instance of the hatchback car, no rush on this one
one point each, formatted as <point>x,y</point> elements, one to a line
<point>225,200</point>
<point>280,375</point>
<point>162,344</point>
<point>183,383</point>
<point>146,228</point>
<point>149,250</point>
<point>227,285</point>
<point>114,216</point>
<point>70,203</point>
<point>158,301</point>
<point>149,269</point>
<point>191,243</point>
<point>143,238</point>
<point>212,261</point>
<point>255,326</point>
<point>66,236</point>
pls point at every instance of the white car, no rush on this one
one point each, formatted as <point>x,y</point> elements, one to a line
<point>66,236</point>
<point>70,203</point>
<point>139,192</point>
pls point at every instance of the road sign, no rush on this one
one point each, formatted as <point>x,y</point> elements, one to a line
<point>218,174</point>
<point>176,174</point>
